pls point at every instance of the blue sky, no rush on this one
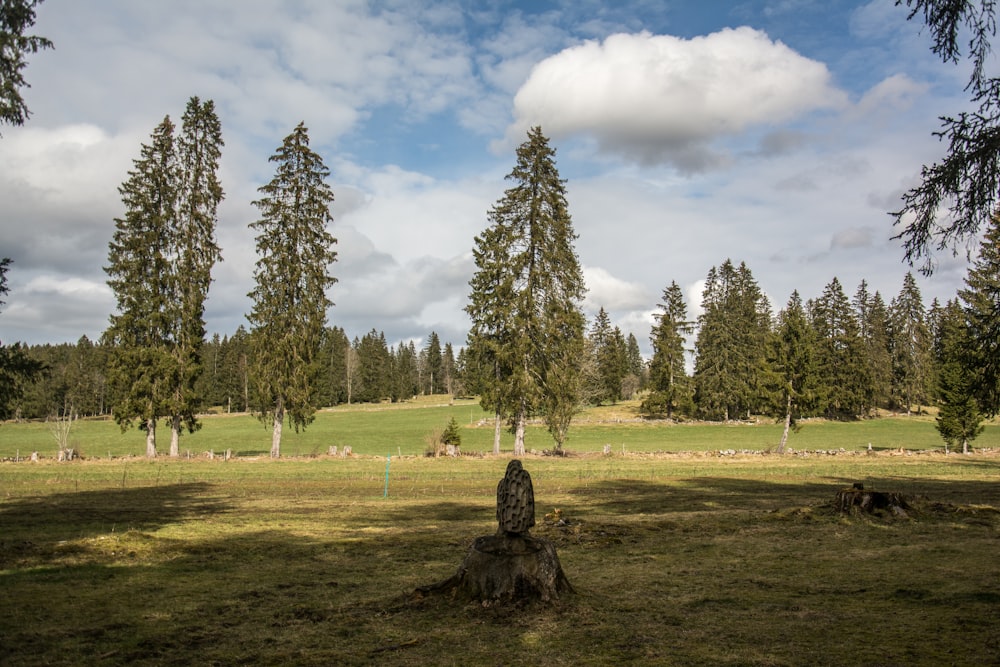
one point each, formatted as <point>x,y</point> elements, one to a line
<point>775,132</point>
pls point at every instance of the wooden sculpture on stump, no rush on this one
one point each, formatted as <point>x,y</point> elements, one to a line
<point>510,566</point>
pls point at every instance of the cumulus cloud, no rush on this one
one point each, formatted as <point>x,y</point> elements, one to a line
<point>663,99</point>
<point>611,293</point>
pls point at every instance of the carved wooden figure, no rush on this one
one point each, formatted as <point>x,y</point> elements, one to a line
<point>515,501</point>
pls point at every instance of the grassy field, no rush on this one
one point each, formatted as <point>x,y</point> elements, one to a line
<point>677,558</point>
<point>404,430</point>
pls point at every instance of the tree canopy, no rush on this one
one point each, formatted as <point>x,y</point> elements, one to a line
<point>16,16</point>
<point>957,195</point>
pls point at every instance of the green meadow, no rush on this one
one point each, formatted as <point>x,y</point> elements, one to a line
<point>406,429</point>
<point>680,551</point>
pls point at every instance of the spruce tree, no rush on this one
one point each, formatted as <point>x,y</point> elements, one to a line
<point>608,350</point>
<point>668,378</point>
<point>527,324</point>
<point>17,368</point>
<point>876,368</point>
<point>140,334</point>
<point>981,301</point>
<point>910,343</point>
<point>730,374</point>
<point>959,420</point>
<point>637,372</point>
<point>16,16</point>
<point>448,369</point>
<point>292,275</point>
<point>792,355</point>
<point>194,254</point>
<point>838,362</point>
<point>433,373</point>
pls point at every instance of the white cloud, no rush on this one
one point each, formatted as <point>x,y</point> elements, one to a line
<point>662,99</point>
<point>613,294</point>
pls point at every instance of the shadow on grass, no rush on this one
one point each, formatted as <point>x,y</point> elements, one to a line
<point>37,523</point>
<point>730,493</point>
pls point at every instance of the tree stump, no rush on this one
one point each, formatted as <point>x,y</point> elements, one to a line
<point>862,500</point>
<point>510,566</point>
<point>504,568</point>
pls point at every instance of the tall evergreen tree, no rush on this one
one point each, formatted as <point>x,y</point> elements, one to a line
<point>792,355</point>
<point>636,365</point>
<point>140,334</point>
<point>981,300</point>
<point>405,382</point>
<point>194,254</point>
<point>448,369</point>
<point>668,378</point>
<point>434,382</point>
<point>16,16</point>
<point>837,353</point>
<point>292,274</point>
<point>910,343</point>
<point>17,368</point>
<point>609,359</point>
<point>875,379</point>
<point>959,420</point>
<point>958,195</point>
<point>374,368</point>
<point>730,374</point>
<point>527,323</point>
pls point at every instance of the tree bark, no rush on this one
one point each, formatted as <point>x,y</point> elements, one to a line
<point>151,438</point>
<point>788,424</point>
<point>506,569</point>
<point>497,427</point>
<point>279,420</point>
<point>519,435</point>
<point>175,436</point>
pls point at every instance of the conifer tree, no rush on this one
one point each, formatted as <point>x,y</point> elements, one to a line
<point>837,352</point>
<point>610,362</point>
<point>527,324</point>
<point>636,364</point>
<point>981,301</point>
<point>959,420</point>
<point>910,343</point>
<point>876,368</point>
<point>792,360</point>
<point>292,275</point>
<point>434,382</point>
<point>667,376</point>
<point>17,368</point>
<point>194,254</point>
<point>16,16</point>
<point>730,374</point>
<point>448,369</point>
<point>140,334</point>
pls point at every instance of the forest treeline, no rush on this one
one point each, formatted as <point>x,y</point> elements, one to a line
<point>858,355</point>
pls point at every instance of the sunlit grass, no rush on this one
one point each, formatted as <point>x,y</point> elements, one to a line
<point>404,430</point>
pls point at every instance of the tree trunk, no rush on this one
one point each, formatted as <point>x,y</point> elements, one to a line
<point>858,499</point>
<point>506,569</point>
<point>788,424</point>
<point>175,436</point>
<point>497,426</point>
<point>519,435</point>
<point>151,438</point>
<point>279,420</point>
<point>965,445</point>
